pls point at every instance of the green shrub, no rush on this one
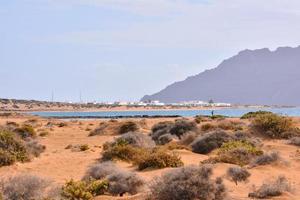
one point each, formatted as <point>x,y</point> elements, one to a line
<point>128,127</point>
<point>13,146</point>
<point>251,115</point>
<point>84,190</point>
<point>238,152</point>
<point>121,150</point>
<point>26,131</point>
<point>159,159</point>
<point>273,126</point>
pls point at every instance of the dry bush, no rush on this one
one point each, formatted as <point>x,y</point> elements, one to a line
<point>26,131</point>
<point>242,136</point>
<point>6,158</point>
<point>44,133</point>
<point>128,126</point>
<point>123,182</point>
<point>101,170</point>
<point>210,141</point>
<point>295,141</point>
<point>208,127</point>
<point>26,187</point>
<point>165,139</point>
<point>273,126</point>
<point>266,159</point>
<point>238,152</point>
<point>62,124</point>
<point>182,126</point>
<point>99,130</point>
<point>188,138</point>
<point>159,159</point>
<point>190,182</point>
<point>162,126</point>
<point>271,189</point>
<point>238,174</point>
<point>230,125</point>
<point>137,140</point>
<point>119,181</point>
<point>34,148</point>
<point>11,124</point>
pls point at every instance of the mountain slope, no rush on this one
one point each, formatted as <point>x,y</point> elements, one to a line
<point>252,77</point>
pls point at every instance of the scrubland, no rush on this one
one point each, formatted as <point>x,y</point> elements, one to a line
<point>256,156</point>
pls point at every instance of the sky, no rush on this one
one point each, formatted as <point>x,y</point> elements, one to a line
<point>120,50</point>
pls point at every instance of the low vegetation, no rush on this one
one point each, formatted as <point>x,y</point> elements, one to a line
<point>271,189</point>
<point>274,126</point>
<point>295,141</point>
<point>119,181</point>
<point>26,187</point>
<point>83,190</point>
<point>210,141</point>
<point>238,152</point>
<point>144,158</point>
<point>128,126</point>
<point>251,115</point>
<point>26,131</point>
<point>266,159</point>
<point>190,182</point>
<point>238,174</point>
<point>137,139</point>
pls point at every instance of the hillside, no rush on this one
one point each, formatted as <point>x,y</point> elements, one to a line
<point>251,77</point>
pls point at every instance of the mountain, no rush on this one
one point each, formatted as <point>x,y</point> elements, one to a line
<point>260,77</point>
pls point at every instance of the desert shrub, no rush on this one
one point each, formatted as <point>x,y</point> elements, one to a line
<point>238,174</point>
<point>84,147</point>
<point>44,133</point>
<point>230,125</point>
<point>165,139</point>
<point>182,126</point>
<point>25,187</point>
<point>266,159</point>
<point>128,127</point>
<point>188,138</point>
<point>159,159</point>
<point>207,127</point>
<point>271,189</point>
<point>34,148</point>
<point>84,190</point>
<point>201,118</point>
<point>190,182</point>
<point>273,126</point>
<point>119,181</point>
<point>238,152</point>
<point>251,115</point>
<point>26,131</point>
<point>138,140</point>
<point>13,146</point>
<point>218,117</point>
<point>100,170</point>
<point>124,182</point>
<point>210,141</point>
<point>120,150</point>
<point>295,141</point>
<point>99,130</point>
<point>6,158</point>
<point>166,126</point>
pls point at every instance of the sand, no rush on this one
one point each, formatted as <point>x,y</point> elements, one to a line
<point>60,164</point>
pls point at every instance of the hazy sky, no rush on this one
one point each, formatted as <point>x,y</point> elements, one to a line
<point>122,49</point>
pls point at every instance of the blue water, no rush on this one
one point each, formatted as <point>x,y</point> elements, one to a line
<point>235,112</point>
